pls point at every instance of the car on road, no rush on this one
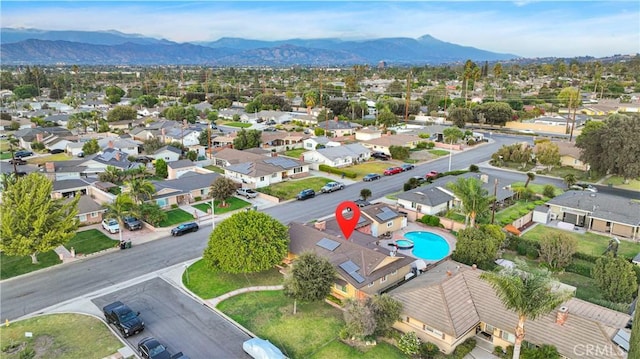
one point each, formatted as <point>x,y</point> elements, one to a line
<point>131,223</point>
<point>392,171</point>
<point>122,317</point>
<point>246,192</point>
<point>23,153</point>
<point>184,229</point>
<point>17,161</point>
<point>306,193</point>
<point>431,175</point>
<point>56,151</point>
<point>331,187</point>
<point>151,348</point>
<point>381,156</point>
<point>270,129</point>
<point>407,167</point>
<point>583,187</point>
<point>419,179</point>
<point>371,177</point>
<point>111,225</point>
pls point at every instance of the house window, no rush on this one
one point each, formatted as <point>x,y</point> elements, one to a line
<point>434,332</point>
<point>370,284</point>
<point>413,205</point>
<point>274,175</point>
<point>94,214</point>
<point>489,328</point>
<point>261,179</point>
<point>407,319</point>
<point>162,202</point>
<point>297,170</point>
<point>383,279</point>
<point>508,337</point>
<point>82,217</point>
<point>389,224</point>
<point>342,288</point>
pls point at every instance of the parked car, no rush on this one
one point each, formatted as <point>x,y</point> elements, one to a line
<point>583,187</point>
<point>122,317</point>
<point>17,161</point>
<point>371,177</point>
<point>305,193</point>
<point>132,223</point>
<point>23,153</point>
<point>56,151</point>
<point>407,167</point>
<point>381,156</point>
<point>185,228</point>
<point>392,171</point>
<point>246,192</point>
<point>111,225</point>
<point>331,187</point>
<point>419,179</point>
<point>431,175</point>
<point>269,129</point>
<point>151,348</point>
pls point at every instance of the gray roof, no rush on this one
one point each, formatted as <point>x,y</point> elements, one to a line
<point>353,150</point>
<point>168,148</point>
<point>186,183</point>
<point>86,204</point>
<point>265,167</point>
<point>601,205</point>
<point>116,158</point>
<point>428,195</point>
<point>181,164</point>
<point>68,184</point>
<point>338,125</point>
<point>541,209</point>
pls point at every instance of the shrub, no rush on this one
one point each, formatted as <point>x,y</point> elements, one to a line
<point>474,168</point>
<point>429,350</point>
<point>421,145</point>
<point>409,344</point>
<point>549,191</point>
<point>522,248</point>
<point>407,186</point>
<point>620,307</point>
<point>453,173</point>
<point>586,257</point>
<point>338,171</point>
<point>463,349</point>
<point>174,206</point>
<point>532,253</point>
<point>429,220</point>
<point>579,268</point>
<point>431,145</point>
<point>37,146</point>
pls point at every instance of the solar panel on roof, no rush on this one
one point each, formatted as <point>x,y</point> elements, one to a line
<point>386,214</point>
<point>349,266</point>
<point>328,244</point>
<point>357,277</point>
<point>282,162</point>
<point>622,338</point>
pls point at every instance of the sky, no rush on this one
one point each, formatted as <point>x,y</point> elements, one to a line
<point>525,28</point>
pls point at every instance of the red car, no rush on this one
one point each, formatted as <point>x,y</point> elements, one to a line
<point>392,171</point>
<point>431,175</point>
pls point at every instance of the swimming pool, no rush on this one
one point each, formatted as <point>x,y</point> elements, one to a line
<point>427,245</point>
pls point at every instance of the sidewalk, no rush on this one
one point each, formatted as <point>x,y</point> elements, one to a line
<point>215,301</point>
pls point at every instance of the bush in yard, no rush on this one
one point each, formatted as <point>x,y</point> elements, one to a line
<point>359,318</point>
<point>386,311</point>
<point>586,257</point>
<point>429,350</point>
<point>399,152</point>
<point>310,279</point>
<point>478,245</point>
<point>579,268</point>
<point>549,191</point>
<point>433,221</point>
<point>338,171</point>
<point>532,253</point>
<point>463,349</point>
<point>474,168</point>
<point>557,249</point>
<point>616,278</point>
<point>409,343</point>
<point>152,213</point>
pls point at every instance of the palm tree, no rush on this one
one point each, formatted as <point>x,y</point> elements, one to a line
<point>140,189</point>
<point>81,120</point>
<point>121,207</point>
<point>475,199</point>
<point>365,193</point>
<point>527,292</point>
<point>530,177</point>
<point>13,142</point>
<point>570,180</point>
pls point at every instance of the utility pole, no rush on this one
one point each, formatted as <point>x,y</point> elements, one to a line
<point>408,99</point>
<point>495,192</point>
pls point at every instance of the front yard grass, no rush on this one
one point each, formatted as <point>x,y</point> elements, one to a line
<point>236,124</point>
<point>49,158</point>
<point>439,153</point>
<point>537,188</point>
<point>233,203</point>
<point>289,189</point>
<point>311,333</point>
<point>90,241</point>
<point>58,336</point>
<point>5,155</point>
<point>11,266</point>
<point>214,169</point>
<point>208,283</point>
<point>588,243</point>
<point>175,216</point>
<point>365,168</point>
<point>633,185</point>
<point>586,287</point>
<point>295,153</point>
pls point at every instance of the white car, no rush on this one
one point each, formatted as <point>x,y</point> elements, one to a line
<point>246,192</point>
<point>111,225</point>
<point>332,186</point>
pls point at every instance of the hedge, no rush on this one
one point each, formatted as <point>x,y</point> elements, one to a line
<point>586,257</point>
<point>338,171</point>
<point>579,268</point>
<point>463,349</point>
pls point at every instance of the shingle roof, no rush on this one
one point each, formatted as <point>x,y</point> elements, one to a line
<point>380,212</point>
<point>431,195</point>
<point>265,166</point>
<point>353,150</point>
<point>67,184</point>
<point>234,156</point>
<point>601,205</point>
<point>186,183</point>
<point>181,164</point>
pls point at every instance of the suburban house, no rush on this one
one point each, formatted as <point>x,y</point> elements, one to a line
<point>69,187</point>
<point>570,155</point>
<point>383,219</point>
<point>128,146</point>
<point>230,156</point>
<point>27,136</point>
<point>339,156</point>
<point>599,212</point>
<point>266,171</point>
<point>167,153</point>
<point>335,128</point>
<point>313,143</point>
<point>183,190</point>
<point>363,271</point>
<point>383,143</point>
<point>186,136</point>
<point>432,199</point>
<point>176,169</point>
<point>366,134</point>
<point>450,303</point>
<point>110,157</point>
<point>89,211</point>
<point>280,140</point>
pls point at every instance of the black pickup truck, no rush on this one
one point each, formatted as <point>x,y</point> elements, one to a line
<point>127,321</point>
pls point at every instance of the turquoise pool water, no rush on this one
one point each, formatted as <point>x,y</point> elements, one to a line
<point>404,244</point>
<point>427,245</point>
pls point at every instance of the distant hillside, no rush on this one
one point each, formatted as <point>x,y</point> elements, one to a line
<point>32,46</point>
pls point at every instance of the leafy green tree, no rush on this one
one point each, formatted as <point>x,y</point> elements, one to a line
<point>359,318</point>
<point>122,113</point>
<point>526,291</point>
<point>475,199</point>
<point>7,179</point>
<point>386,311</point>
<point>114,94</point>
<point>222,188</point>
<point>310,280</point>
<point>570,180</point>
<point>81,120</point>
<point>399,152</point>
<point>478,245</point>
<point>452,135</point>
<point>460,116</point>
<point>549,191</point>
<point>161,168</point>
<point>32,221</point>
<point>192,155</point>
<point>409,344</point>
<point>152,144</point>
<point>365,193</point>
<point>247,242</point>
<point>140,189</point>
<point>494,113</point>
<point>121,207</point>
<point>318,131</point>
<point>615,278</point>
<point>634,342</point>
<point>152,213</point>
<point>25,91</point>
<point>147,101</point>
<point>247,139</point>
<point>387,118</point>
<point>548,154</point>
<point>90,147</point>
<point>558,249</point>
<point>174,113</point>
<point>203,139</point>
<point>111,174</point>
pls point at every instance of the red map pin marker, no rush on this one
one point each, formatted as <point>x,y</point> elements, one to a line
<point>348,223</point>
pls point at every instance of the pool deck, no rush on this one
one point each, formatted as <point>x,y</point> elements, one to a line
<point>417,227</point>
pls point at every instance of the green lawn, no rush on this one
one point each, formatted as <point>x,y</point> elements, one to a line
<point>633,185</point>
<point>237,124</point>
<point>90,241</point>
<point>587,288</point>
<point>208,283</point>
<point>295,153</point>
<point>439,153</point>
<point>49,158</point>
<point>289,189</point>
<point>536,188</point>
<point>233,204</point>
<point>59,336</point>
<point>515,211</point>
<point>311,333</point>
<point>365,168</point>
<point>5,155</point>
<point>175,216</point>
<point>563,171</point>
<point>588,243</point>
<point>214,169</point>
<point>14,266</point>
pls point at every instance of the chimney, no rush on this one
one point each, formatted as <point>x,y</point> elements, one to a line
<point>562,315</point>
<point>117,155</point>
<point>320,225</point>
<point>39,137</point>
<point>110,144</point>
<point>50,167</point>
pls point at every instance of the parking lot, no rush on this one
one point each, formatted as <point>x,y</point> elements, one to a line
<point>178,321</point>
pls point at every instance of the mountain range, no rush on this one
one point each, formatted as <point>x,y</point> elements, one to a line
<point>32,46</point>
